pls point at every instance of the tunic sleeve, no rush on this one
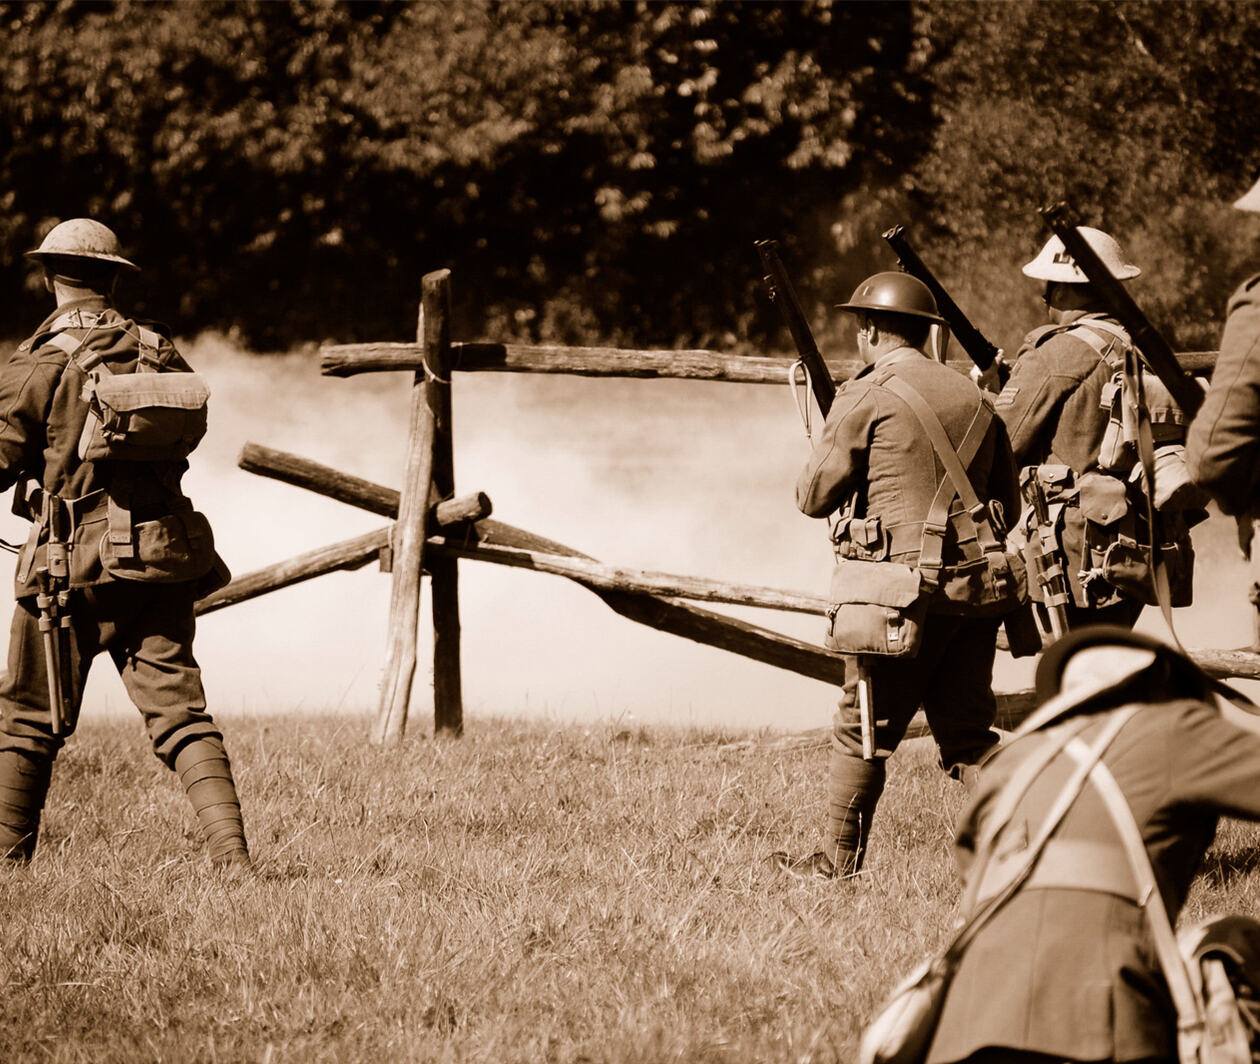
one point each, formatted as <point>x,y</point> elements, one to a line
<point>1223,445</point>
<point>27,384</point>
<point>1030,402</point>
<point>838,463</point>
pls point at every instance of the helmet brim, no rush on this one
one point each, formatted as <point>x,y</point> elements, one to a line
<point>863,308</point>
<point>99,256</point>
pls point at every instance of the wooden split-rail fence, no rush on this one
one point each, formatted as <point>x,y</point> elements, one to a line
<point>431,528</point>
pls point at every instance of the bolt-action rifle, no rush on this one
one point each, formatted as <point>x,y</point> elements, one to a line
<point>783,295</point>
<point>983,353</point>
<point>1042,555</point>
<point>53,602</point>
<point>1146,338</point>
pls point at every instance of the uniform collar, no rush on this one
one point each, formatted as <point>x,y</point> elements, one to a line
<point>93,304</point>
<point>895,356</point>
<point>1071,317</point>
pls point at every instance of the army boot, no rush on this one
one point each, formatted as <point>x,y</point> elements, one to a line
<point>24,780</point>
<point>206,775</point>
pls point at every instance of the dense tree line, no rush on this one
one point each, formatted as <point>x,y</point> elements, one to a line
<point>602,169</point>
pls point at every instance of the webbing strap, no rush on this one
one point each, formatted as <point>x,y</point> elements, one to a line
<point>955,463</point>
<point>121,533</point>
<point>85,358</point>
<point>1063,802</point>
<point>150,342</point>
<point>1134,407</point>
<point>1189,1011</point>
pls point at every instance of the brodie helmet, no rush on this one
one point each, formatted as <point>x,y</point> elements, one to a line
<point>894,292</point>
<point>1249,200</point>
<point>1053,263</point>
<point>1093,661</point>
<point>82,238</point>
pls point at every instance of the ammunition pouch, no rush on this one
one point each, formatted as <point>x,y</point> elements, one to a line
<point>104,544</point>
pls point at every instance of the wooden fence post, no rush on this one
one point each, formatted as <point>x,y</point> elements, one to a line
<point>448,698</point>
<point>433,333</point>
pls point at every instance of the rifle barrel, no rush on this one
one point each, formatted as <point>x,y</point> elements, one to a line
<point>978,348</point>
<point>784,297</point>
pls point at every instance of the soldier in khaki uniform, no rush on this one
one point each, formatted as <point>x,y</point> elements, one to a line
<point>873,446</point>
<point>1066,969</point>
<point>1223,449</point>
<point>1057,409</point>
<point>139,555</point>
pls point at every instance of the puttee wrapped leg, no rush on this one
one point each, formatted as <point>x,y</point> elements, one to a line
<point>206,774</point>
<point>854,787</point>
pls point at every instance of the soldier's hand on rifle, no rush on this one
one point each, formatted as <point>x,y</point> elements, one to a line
<point>994,378</point>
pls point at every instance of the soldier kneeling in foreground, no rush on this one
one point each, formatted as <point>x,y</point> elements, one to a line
<point>1075,961</point>
<point>101,412</point>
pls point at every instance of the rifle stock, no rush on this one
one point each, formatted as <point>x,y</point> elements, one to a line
<point>1154,348</point>
<point>979,349</point>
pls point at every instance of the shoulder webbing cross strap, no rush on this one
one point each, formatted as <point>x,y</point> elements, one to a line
<point>1190,1014</point>
<point>149,344</point>
<point>957,484</point>
<point>982,909</point>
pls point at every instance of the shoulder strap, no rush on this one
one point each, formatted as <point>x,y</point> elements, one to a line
<point>1086,756</point>
<point>955,463</point>
<point>1190,1018</point>
<point>1101,335</point>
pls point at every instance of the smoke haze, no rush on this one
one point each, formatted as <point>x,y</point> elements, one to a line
<point>681,476</point>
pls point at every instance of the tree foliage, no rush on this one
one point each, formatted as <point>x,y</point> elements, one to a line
<point>601,169</point>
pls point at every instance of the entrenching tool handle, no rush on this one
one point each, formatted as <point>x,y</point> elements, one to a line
<point>1053,590</point>
<point>865,714</point>
<point>46,603</point>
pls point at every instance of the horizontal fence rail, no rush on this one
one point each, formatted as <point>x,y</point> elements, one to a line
<point>347,360</point>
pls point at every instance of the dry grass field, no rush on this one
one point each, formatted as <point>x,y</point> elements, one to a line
<point>532,892</point>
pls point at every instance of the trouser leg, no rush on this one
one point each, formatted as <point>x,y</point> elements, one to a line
<point>854,785</point>
<point>959,703</point>
<point>24,780</point>
<point>151,644</point>
<point>28,746</point>
<point>1123,613</point>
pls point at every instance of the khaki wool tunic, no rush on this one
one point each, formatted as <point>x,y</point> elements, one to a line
<point>1223,446</point>
<point>1073,973</point>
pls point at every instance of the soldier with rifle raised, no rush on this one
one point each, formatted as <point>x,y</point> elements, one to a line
<point>1090,429</point>
<point>923,478</point>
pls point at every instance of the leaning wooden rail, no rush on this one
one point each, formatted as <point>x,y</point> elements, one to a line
<point>493,541</point>
<point>666,615</point>
<point>347,360</point>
